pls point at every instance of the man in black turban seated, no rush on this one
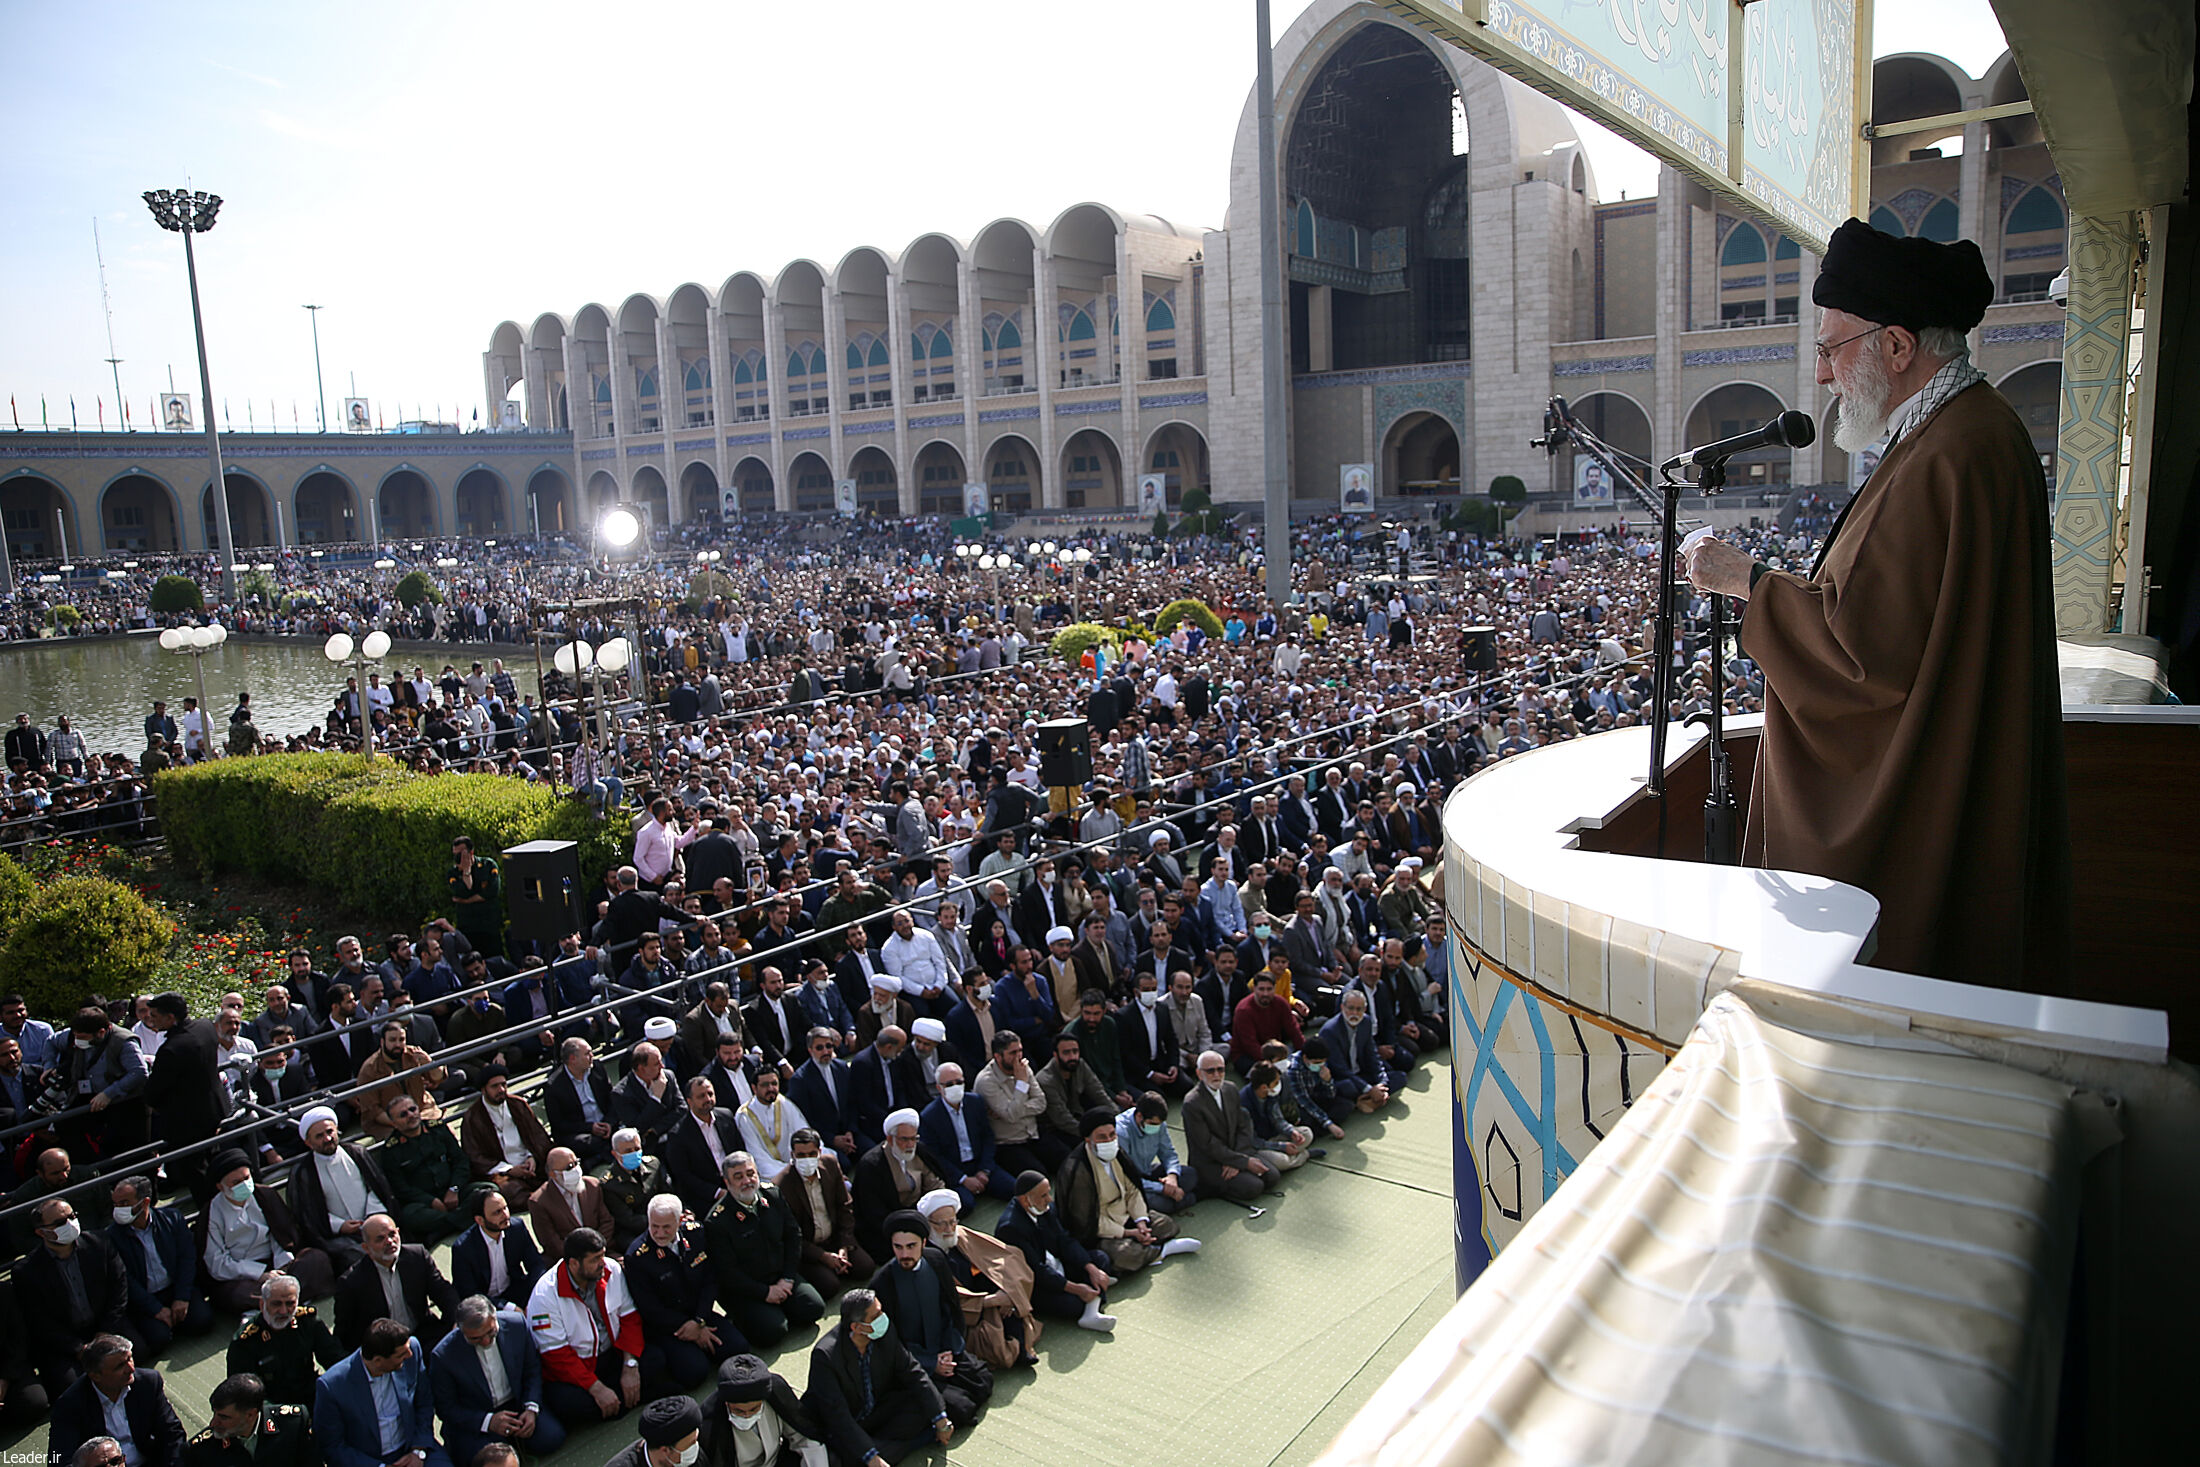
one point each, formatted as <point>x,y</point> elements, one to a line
<point>1913,730</point>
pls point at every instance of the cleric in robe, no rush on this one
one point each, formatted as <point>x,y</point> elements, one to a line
<point>1913,724</point>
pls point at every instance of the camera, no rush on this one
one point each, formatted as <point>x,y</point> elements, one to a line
<point>2058,289</point>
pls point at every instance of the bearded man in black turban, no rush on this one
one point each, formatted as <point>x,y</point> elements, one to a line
<point>1913,726</point>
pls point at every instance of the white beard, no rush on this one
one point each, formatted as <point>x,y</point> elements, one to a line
<point>1861,408</point>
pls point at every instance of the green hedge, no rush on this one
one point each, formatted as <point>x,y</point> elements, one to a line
<point>79,936</point>
<point>1073,641</point>
<point>16,890</point>
<point>378,834</point>
<point>173,594</point>
<point>1188,609</point>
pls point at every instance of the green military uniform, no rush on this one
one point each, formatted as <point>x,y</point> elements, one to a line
<point>283,1438</point>
<point>838,911</point>
<point>752,1249</point>
<point>420,1171</point>
<point>285,1359</point>
<point>627,1194</point>
<point>480,923</point>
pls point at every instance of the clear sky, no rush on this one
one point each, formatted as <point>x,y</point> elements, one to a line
<point>426,170</point>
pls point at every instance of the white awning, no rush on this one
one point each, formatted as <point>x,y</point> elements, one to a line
<point>2110,82</point>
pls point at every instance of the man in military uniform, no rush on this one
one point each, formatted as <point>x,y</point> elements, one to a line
<point>756,1257</point>
<point>477,898</point>
<point>635,1177</point>
<point>283,1344</point>
<point>428,1175</point>
<point>248,1430</point>
<point>668,1274</point>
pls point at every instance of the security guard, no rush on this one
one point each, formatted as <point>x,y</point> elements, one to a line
<point>280,1342</point>
<point>248,1430</point>
<point>668,1275</point>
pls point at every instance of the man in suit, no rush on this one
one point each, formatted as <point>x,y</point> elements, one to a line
<point>697,1145</point>
<point>1068,1280</point>
<point>732,1071</point>
<point>161,1264</point>
<point>1146,1042</point>
<point>248,1430</point>
<point>957,1131</point>
<point>918,1295</point>
<point>1218,1137</point>
<point>395,1280</point>
<point>113,1387</point>
<point>648,1099</point>
<point>890,1176</point>
<point>185,1089</point>
<point>823,1090</point>
<point>774,1022</point>
<point>1355,1067</point>
<point>579,1103</point>
<point>873,1399</point>
<point>703,1025</point>
<point>486,1381</point>
<point>349,1043</point>
<point>504,1141</point>
<point>349,1424</point>
<point>1295,817</point>
<point>816,1192</point>
<point>70,1287</point>
<point>569,1199</point>
<point>883,1077</point>
<point>497,1256</point>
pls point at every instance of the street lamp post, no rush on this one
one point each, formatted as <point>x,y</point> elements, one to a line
<point>1077,560</point>
<point>621,528</point>
<point>320,390</point>
<point>371,648</point>
<point>182,212</point>
<point>196,642</point>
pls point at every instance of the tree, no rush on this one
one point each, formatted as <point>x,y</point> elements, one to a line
<point>1161,524</point>
<point>1508,489</point>
<point>175,595</point>
<point>416,587</point>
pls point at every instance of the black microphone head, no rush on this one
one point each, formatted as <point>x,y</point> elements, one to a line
<point>1797,430</point>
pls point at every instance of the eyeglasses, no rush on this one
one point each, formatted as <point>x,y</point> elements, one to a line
<point>1826,351</point>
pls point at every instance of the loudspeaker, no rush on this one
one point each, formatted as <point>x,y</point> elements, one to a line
<point>542,889</point>
<point>1065,752</point>
<point>1480,649</point>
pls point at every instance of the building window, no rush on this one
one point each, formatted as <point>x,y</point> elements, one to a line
<point>1742,311</point>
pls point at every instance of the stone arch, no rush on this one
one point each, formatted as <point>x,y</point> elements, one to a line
<point>552,409</point>
<point>326,509</point>
<point>650,490</point>
<point>34,511</point>
<point>2035,391</point>
<point>552,508</point>
<point>1013,474</point>
<point>1008,351</point>
<point>798,296</point>
<point>482,501</point>
<point>405,504</point>
<point>930,278</point>
<point>686,380</point>
<point>1420,455</point>
<point>1092,471</point>
<point>595,402</point>
<point>1621,421</point>
<point>140,511</point>
<point>878,485</point>
<point>741,307</point>
<point>699,495</point>
<point>1177,451</point>
<point>1915,84</point>
<point>1737,407</point>
<point>940,473</point>
<point>752,477</point>
<point>251,510</point>
<point>809,483</point>
<point>603,492</point>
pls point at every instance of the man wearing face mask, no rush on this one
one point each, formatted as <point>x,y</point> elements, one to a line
<point>1142,1137</point>
<point>570,1199</point>
<point>763,1423</point>
<point>957,1130</point>
<point>635,1177</point>
<point>587,1332</point>
<point>816,1193</point>
<point>1069,1280</point>
<point>497,1256</point>
<point>395,1280</point>
<point>917,1292</point>
<point>154,1244</point>
<point>284,1343</point>
<point>1104,1207</point>
<point>250,1233</point>
<point>874,1401</point>
<point>70,1287</point>
<point>671,1436</point>
<point>248,1430</point>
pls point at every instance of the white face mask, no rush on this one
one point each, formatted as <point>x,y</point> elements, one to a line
<point>125,1217</point>
<point>1148,999</point>
<point>744,1423</point>
<point>689,1453</point>
<point>1105,1150</point>
<point>807,1165</point>
<point>67,1233</point>
<point>952,1094</point>
<point>570,1179</point>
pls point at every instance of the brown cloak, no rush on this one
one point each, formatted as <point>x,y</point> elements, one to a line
<point>1913,720</point>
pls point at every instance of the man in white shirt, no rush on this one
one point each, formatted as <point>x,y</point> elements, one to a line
<point>339,1186</point>
<point>916,958</point>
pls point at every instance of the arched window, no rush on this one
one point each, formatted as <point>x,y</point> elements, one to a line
<point>943,343</point>
<point>855,357</point>
<point>1787,249</point>
<point>742,376</point>
<point>1885,221</point>
<point>1160,318</point>
<point>1008,338</point>
<point>817,362</point>
<point>1304,244</point>
<point>698,377</point>
<point>796,366</point>
<point>1080,327</point>
<point>603,390</point>
<point>1940,223</point>
<point>1745,246</point>
<point>877,358</point>
<point>645,383</point>
<point>2035,213</point>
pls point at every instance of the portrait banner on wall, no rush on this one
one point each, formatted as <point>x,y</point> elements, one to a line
<point>357,417</point>
<point>1592,485</point>
<point>844,496</point>
<point>175,411</point>
<point>977,501</point>
<point>509,418</point>
<point>729,502</point>
<point>1356,488</point>
<point>1153,495</point>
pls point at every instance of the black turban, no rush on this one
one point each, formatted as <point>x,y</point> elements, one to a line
<point>743,1379</point>
<point>1095,1116</point>
<point>670,1419</point>
<point>907,1220</point>
<point>228,1161</point>
<point>1912,283</point>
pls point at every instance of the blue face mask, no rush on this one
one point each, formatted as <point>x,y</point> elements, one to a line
<point>631,1160</point>
<point>877,1327</point>
<point>241,1193</point>
<point>274,1073</point>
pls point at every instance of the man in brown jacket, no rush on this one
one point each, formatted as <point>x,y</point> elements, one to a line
<point>569,1200</point>
<point>394,1057</point>
<point>816,1192</point>
<point>504,1140</point>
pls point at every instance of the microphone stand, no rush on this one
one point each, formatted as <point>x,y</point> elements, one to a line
<point>1722,845</point>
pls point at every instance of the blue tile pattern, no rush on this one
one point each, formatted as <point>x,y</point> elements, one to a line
<point>1737,356</point>
<point>1376,376</point>
<point>2029,331</point>
<point>1174,399</point>
<point>1006,415</point>
<point>1598,366</point>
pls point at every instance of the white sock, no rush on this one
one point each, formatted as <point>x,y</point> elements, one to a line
<point>1179,1245</point>
<point>1094,1320</point>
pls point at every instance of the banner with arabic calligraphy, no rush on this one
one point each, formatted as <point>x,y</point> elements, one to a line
<point>1665,73</point>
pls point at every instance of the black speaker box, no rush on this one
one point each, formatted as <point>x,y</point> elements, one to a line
<point>1481,649</point>
<point>542,889</point>
<point>1065,752</point>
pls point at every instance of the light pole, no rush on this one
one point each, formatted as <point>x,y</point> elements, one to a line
<point>576,657</point>
<point>1275,483</point>
<point>196,642</point>
<point>620,528</point>
<point>1077,560</point>
<point>371,648</point>
<point>320,392</point>
<point>182,212</point>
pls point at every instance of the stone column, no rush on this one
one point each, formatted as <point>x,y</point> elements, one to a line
<point>1673,264</point>
<point>2089,441</point>
<point>775,397</point>
<point>897,366</point>
<point>1041,347</point>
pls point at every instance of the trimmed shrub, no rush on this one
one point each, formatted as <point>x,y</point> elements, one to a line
<point>79,936</point>
<point>1161,524</point>
<point>1187,609</point>
<point>416,587</point>
<point>173,595</point>
<point>1509,489</point>
<point>705,584</point>
<point>378,833</point>
<point>16,890</point>
<point>65,617</point>
<point>1073,641</point>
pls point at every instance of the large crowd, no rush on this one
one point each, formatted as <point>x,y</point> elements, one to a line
<point>862,977</point>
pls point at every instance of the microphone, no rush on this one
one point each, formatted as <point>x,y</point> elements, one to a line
<point>1789,430</point>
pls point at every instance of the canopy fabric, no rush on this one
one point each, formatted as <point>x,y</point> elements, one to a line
<point>1793,1250</point>
<point>2110,83</point>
